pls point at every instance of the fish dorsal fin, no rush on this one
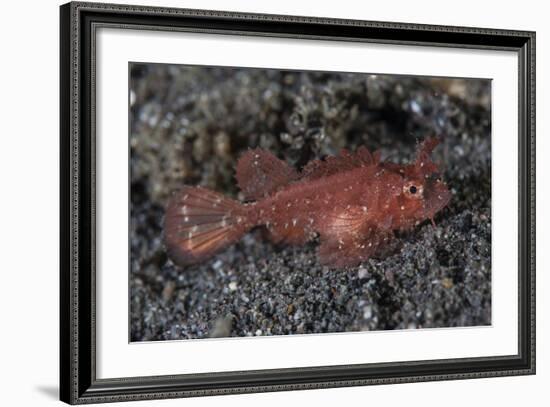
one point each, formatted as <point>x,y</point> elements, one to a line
<point>345,161</point>
<point>260,173</point>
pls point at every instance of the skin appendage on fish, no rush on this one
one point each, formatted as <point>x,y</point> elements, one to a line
<point>354,202</point>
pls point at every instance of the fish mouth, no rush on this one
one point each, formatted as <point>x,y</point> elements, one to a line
<point>438,198</point>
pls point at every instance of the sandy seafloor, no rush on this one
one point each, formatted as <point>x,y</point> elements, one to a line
<point>188,125</point>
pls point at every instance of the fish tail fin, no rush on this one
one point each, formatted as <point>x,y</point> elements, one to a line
<point>199,222</point>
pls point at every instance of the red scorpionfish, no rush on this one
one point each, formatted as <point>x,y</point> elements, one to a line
<point>353,202</point>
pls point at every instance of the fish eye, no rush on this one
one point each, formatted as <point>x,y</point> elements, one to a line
<point>413,190</point>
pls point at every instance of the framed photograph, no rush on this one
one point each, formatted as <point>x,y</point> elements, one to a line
<point>255,203</point>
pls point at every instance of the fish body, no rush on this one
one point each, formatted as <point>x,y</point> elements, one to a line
<point>353,202</point>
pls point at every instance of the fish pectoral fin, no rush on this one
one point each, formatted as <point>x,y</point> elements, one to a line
<point>345,251</point>
<point>260,173</point>
<point>353,248</point>
<point>344,220</point>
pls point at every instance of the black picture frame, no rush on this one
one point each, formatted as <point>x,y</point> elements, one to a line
<point>78,382</point>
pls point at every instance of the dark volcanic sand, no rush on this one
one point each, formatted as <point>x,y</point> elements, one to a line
<point>189,125</point>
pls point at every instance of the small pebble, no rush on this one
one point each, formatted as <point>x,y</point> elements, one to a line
<point>362,272</point>
<point>367,312</point>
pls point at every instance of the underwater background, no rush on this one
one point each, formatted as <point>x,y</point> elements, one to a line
<point>190,124</point>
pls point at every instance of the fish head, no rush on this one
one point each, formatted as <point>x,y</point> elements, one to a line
<point>424,192</point>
